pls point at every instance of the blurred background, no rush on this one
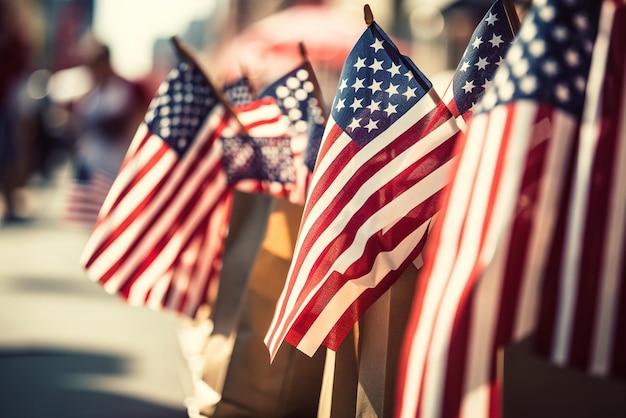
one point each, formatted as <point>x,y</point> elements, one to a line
<point>76,77</point>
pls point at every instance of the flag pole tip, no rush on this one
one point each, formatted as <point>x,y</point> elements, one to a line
<point>369,17</point>
<point>302,49</point>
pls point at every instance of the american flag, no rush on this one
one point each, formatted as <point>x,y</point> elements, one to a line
<point>377,182</point>
<point>488,45</point>
<point>159,236</point>
<point>478,290</point>
<point>583,313</point>
<point>299,97</point>
<point>86,193</point>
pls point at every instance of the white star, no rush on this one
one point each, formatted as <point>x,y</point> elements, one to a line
<point>528,84</point>
<point>560,33</point>
<point>378,44</point>
<point>546,13</point>
<point>392,89</point>
<point>371,125</point>
<point>580,84</point>
<point>375,86</point>
<point>356,123</point>
<point>528,32</point>
<point>391,109</point>
<point>520,68</point>
<point>468,87</point>
<point>537,47</point>
<point>360,63</point>
<point>572,58</point>
<point>581,22</point>
<point>410,92</point>
<point>486,84</point>
<point>376,65</point>
<point>550,67</point>
<point>358,84</point>
<point>394,69</point>
<point>356,104</point>
<point>340,104</point>
<point>496,40</point>
<point>562,92</point>
<point>482,63</point>
<point>343,85</point>
<point>464,66</point>
<point>491,19</point>
<point>408,75</point>
<point>477,42</point>
<point>374,106</point>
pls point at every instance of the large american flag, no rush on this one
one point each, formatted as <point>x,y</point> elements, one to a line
<point>299,97</point>
<point>158,238</point>
<point>488,45</point>
<point>478,290</point>
<point>583,313</point>
<point>377,182</point>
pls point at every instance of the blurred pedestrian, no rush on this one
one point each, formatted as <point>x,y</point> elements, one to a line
<point>16,54</point>
<point>103,123</point>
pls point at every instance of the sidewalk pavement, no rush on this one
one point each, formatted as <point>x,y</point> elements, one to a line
<point>67,348</point>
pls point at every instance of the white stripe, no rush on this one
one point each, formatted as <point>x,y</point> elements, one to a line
<point>559,134</point>
<point>613,262</point>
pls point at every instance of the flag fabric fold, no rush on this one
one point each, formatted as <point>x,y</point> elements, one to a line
<point>478,290</point>
<point>377,183</point>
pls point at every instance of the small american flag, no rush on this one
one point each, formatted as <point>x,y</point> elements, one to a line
<point>159,236</point>
<point>479,288</point>
<point>382,166</point>
<point>488,45</point>
<point>87,191</point>
<point>299,97</point>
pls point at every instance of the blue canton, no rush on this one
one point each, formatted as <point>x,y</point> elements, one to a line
<point>294,93</point>
<point>239,92</point>
<point>258,158</point>
<point>181,105</point>
<point>550,59</point>
<point>489,43</point>
<point>377,86</point>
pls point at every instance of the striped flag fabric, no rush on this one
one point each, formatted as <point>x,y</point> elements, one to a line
<point>299,97</point>
<point>488,45</point>
<point>159,235</point>
<point>377,183</point>
<point>86,193</point>
<point>583,312</point>
<point>489,249</point>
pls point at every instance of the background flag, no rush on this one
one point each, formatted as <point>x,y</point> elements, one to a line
<point>87,191</point>
<point>478,290</point>
<point>377,182</point>
<point>488,45</point>
<point>299,97</point>
<point>583,315</point>
<point>159,236</point>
